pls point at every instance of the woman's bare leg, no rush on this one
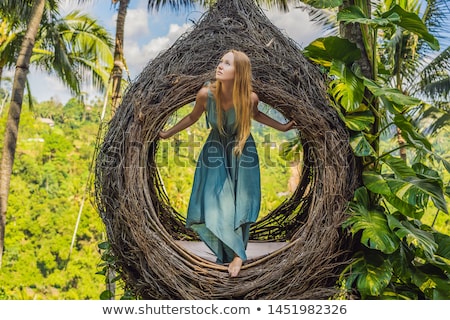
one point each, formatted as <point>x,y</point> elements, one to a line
<point>235,266</point>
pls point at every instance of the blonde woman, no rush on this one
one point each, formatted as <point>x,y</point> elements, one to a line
<point>226,191</point>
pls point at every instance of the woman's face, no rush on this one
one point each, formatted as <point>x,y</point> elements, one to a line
<point>225,69</point>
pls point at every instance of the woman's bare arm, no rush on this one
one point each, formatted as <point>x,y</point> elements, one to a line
<point>191,118</point>
<point>268,121</point>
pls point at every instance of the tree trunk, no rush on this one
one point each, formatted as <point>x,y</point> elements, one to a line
<point>118,56</point>
<point>2,105</point>
<point>401,143</point>
<point>15,108</point>
<point>116,98</point>
<point>354,33</point>
<point>364,40</point>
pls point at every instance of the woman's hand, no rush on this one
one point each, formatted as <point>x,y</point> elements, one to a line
<point>163,134</point>
<point>288,126</point>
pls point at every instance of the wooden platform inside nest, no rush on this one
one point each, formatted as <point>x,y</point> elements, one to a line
<point>254,250</point>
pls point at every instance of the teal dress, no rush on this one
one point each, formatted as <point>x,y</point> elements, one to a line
<point>226,191</point>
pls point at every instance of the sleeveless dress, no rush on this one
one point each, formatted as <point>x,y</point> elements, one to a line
<point>226,191</point>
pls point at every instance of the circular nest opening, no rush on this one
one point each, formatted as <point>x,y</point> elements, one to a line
<point>142,227</point>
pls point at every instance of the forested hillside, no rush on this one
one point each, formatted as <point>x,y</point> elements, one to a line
<point>51,168</point>
<point>55,149</point>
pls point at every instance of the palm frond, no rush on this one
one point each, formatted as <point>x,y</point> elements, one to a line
<point>75,48</point>
<point>282,5</point>
<point>436,16</point>
<point>15,9</point>
<point>440,88</point>
<point>90,71</point>
<point>439,64</point>
<point>433,117</point>
<point>85,36</point>
<point>176,5</point>
<point>325,18</point>
<point>434,77</point>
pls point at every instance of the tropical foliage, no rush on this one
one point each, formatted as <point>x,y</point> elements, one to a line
<point>54,153</point>
<point>33,33</point>
<point>399,256</point>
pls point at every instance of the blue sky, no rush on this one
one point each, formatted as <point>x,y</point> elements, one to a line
<point>147,33</point>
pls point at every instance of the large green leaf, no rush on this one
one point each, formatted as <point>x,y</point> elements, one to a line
<point>375,230</point>
<point>376,183</point>
<point>324,50</point>
<point>401,260</point>
<point>410,133</point>
<point>393,95</point>
<point>426,172</point>
<point>404,207</point>
<point>393,107</point>
<point>443,242</point>
<point>379,184</point>
<point>347,88</point>
<point>361,197</point>
<point>434,286</point>
<point>371,272</point>
<point>361,147</point>
<point>412,235</point>
<point>443,251</point>
<point>398,166</point>
<point>412,22</point>
<point>354,14</point>
<point>359,121</point>
<point>410,189</point>
<point>323,4</point>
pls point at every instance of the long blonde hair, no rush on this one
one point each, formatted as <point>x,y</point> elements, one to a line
<point>242,99</point>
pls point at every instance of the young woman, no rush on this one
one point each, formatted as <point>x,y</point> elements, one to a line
<point>226,191</point>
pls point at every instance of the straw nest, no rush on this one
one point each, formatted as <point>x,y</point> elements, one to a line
<point>141,224</point>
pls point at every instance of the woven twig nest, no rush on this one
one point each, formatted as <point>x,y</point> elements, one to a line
<point>141,224</point>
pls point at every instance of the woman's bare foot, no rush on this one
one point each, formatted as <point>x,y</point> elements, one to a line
<point>235,267</point>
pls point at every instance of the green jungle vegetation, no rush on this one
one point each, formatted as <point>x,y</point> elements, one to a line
<point>49,180</point>
<point>51,175</point>
<point>388,72</point>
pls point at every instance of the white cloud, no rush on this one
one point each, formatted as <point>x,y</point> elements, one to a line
<point>137,56</point>
<point>44,86</point>
<point>136,23</point>
<point>295,24</point>
<point>161,43</point>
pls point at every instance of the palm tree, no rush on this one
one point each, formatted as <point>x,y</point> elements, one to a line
<point>12,30</point>
<point>72,48</point>
<point>119,61</point>
<point>15,108</point>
